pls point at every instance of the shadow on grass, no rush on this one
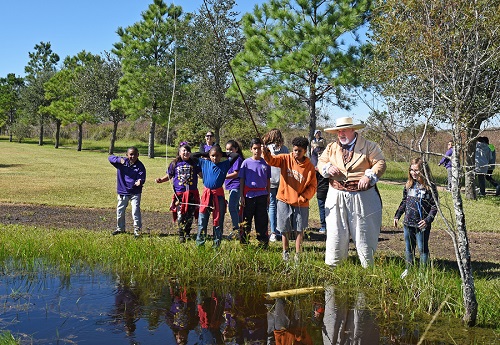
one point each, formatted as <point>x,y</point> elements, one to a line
<point>480,269</point>
<point>10,165</point>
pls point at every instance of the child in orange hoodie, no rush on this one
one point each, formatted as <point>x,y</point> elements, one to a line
<point>297,186</point>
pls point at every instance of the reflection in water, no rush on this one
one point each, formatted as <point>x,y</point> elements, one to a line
<point>181,317</point>
<point>287,324</point>
<point>127,307</point>
<point>94,308</point>
<point>209,314</point>
<point>342,325</point>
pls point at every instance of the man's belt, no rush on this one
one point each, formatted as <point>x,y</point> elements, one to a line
<point>347,186</point>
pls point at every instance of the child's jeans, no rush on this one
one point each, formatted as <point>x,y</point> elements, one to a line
<point>234,207</point>
<point>135,201</point>
<point>201,237</point>
<point>415,236</point>
<point>321,207</point>
<point>273,216</point>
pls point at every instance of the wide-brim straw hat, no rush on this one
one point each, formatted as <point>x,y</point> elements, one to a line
<point>344,123</point>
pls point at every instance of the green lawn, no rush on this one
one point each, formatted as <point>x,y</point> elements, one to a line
<point>65,177</point>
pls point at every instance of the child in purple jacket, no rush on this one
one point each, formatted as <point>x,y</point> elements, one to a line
<point>130,177</point>
<point>184,172</point>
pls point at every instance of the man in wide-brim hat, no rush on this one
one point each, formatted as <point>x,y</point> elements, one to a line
<point>353,206</point>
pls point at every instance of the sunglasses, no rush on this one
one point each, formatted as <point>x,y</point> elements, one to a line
<point>208,136</point>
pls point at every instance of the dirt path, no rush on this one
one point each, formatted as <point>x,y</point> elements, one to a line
<point>484,247</point>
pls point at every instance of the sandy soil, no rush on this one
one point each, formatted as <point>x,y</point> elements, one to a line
<point>484,247</point>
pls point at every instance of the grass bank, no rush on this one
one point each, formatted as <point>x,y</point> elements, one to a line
<point>155,258</point>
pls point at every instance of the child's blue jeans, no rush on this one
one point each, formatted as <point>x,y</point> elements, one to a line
<point>234,207</point>
<point>273,216</point>
<point>123,201</point>
<point>201,237</point>
<point>413,237</point>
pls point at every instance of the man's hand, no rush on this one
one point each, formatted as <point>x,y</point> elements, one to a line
<point>364,183</point>
<point>333,171</point>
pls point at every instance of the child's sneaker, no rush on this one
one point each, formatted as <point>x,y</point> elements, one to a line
<point>137,233</point>
<point>296,258</point>
<point>286,255</point>
<point>322,230</point>
<point>272,238</point>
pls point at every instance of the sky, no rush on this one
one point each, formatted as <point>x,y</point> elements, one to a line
<point>72,26</point>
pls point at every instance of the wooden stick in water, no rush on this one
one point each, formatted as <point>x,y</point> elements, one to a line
<point>293,292</point>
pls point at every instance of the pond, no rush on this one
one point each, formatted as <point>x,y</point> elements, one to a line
<point>97,308</point>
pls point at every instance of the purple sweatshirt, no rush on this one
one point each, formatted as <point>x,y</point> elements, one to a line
<point>127,175</point>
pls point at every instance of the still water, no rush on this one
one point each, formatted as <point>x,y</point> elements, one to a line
<point>97,308</point>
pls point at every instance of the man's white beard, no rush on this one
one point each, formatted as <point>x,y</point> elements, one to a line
<point>344,141</point>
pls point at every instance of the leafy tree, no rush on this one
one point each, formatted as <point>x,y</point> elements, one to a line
<point>64,91</point>
<point>213,39</point>
<point>296,48</point>
<point>10,88</point>
<point>147,50</point>
<point>438,62</point>
<point>41,67</point>
<point>99,82</point>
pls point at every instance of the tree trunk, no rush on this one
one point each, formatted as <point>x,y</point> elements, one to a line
<point>11,122</point>
<point>470,175</point>
<point>217,137</point>
<point>40,136</point>
<point>113,138</point>
<point>313,97</point>
<point>58,133</point>
<point>461,241</point>
<point>151,143</point>
<point>80,136</point>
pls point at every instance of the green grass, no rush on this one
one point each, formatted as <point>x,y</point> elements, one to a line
<point>6,338</point>
<point>65,177</point>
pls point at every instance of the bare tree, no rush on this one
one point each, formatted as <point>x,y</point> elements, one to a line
<point>438,63</point>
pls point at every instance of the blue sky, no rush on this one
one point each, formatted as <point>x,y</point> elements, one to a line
<point>72,26</point>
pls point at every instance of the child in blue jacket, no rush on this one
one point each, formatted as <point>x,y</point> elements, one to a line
<point>214,171</point>
<point>419,207</point>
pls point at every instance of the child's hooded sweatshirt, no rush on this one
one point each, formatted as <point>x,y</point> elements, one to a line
<point>298,180</point>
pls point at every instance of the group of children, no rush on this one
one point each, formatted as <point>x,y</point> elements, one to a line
<point>249,184</point>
